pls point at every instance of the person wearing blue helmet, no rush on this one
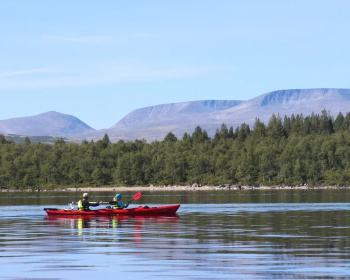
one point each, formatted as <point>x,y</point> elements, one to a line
<point>117,202</point>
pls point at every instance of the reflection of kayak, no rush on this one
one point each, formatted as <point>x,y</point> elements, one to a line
<point>138,211</point>
<point>88,218</point>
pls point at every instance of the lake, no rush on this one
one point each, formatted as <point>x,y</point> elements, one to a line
<point>274,234</point>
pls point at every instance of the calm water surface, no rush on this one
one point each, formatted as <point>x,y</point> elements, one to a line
<point>216,235</point>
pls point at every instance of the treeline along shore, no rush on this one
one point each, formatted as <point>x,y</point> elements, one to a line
<point>289,152</point>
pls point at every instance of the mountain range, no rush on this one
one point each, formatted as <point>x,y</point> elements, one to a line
<point>154,122</point>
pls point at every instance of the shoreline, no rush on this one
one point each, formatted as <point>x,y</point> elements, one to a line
<point>194,187</point>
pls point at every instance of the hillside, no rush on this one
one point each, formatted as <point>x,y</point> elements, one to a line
<point>153,123</point>
<point>175,113</point>
<point>46,124</point>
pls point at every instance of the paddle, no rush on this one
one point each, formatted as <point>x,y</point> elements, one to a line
<point>136,197</point>
<point>75,202</point>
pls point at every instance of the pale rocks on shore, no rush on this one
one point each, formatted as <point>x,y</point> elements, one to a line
<point>193,187</point>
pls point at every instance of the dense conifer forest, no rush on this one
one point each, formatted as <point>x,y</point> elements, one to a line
<point>287,151</point>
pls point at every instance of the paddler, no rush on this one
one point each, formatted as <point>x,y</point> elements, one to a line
<point>84,204</point>
<point>117,202</point>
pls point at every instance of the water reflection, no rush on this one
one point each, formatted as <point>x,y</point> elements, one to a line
<point>79,223</point>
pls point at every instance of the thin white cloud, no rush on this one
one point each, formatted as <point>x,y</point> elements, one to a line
<point>79,39</point>
<point>26,72</point>
<point>97,75</point>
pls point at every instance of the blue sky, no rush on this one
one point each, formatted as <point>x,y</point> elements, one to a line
<point>99,60</point>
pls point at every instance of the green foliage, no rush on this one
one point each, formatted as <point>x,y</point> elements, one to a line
<point>298,150</point>
<point>170,137</point>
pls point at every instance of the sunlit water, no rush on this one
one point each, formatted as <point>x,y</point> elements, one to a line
<point>216,235</point>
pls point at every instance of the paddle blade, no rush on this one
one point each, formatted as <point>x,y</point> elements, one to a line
<point>137,196</point>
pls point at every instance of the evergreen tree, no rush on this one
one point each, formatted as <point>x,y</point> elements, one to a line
<point>170,137</point>
<point>223,131</point>
<point>338,122</point>
<point>60,141</point>
<point>275,128</point>
<point>3,139</point>
<point>104,142</point>
<point>26,141</point>
<point>259,129</point>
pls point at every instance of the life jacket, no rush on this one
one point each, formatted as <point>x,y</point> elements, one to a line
<point>82,207</point>
<point>117,206</point>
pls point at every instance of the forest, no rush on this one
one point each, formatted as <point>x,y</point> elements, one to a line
<point>291,151</point>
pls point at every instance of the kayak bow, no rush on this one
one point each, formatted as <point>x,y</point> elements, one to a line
<point>138,211</point>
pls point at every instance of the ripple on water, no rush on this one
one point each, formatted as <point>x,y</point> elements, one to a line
<point>206,241</point>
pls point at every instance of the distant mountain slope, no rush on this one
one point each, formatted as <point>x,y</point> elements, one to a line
<point>175,113</point>
<point>295,96</point>
<point>153,123</point>
<point>46,124</point>
<point>288,102</point>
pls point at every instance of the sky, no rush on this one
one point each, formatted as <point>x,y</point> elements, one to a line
<point>98,60</point>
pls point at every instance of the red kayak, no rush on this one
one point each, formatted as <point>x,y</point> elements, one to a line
<point>138,211</point>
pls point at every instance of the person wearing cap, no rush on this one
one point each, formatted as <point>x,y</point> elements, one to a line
<point>117,203</point>
<point>85,204</point>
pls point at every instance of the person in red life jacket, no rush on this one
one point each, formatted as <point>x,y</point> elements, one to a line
<point>117,202</point>
<point>85,204</point>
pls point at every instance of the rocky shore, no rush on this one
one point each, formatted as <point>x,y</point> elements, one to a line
<point>193,187</point>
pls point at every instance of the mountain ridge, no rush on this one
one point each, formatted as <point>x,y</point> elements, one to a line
<point>153,113</point>
<point>154,122</point>
<point>283,102</point>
